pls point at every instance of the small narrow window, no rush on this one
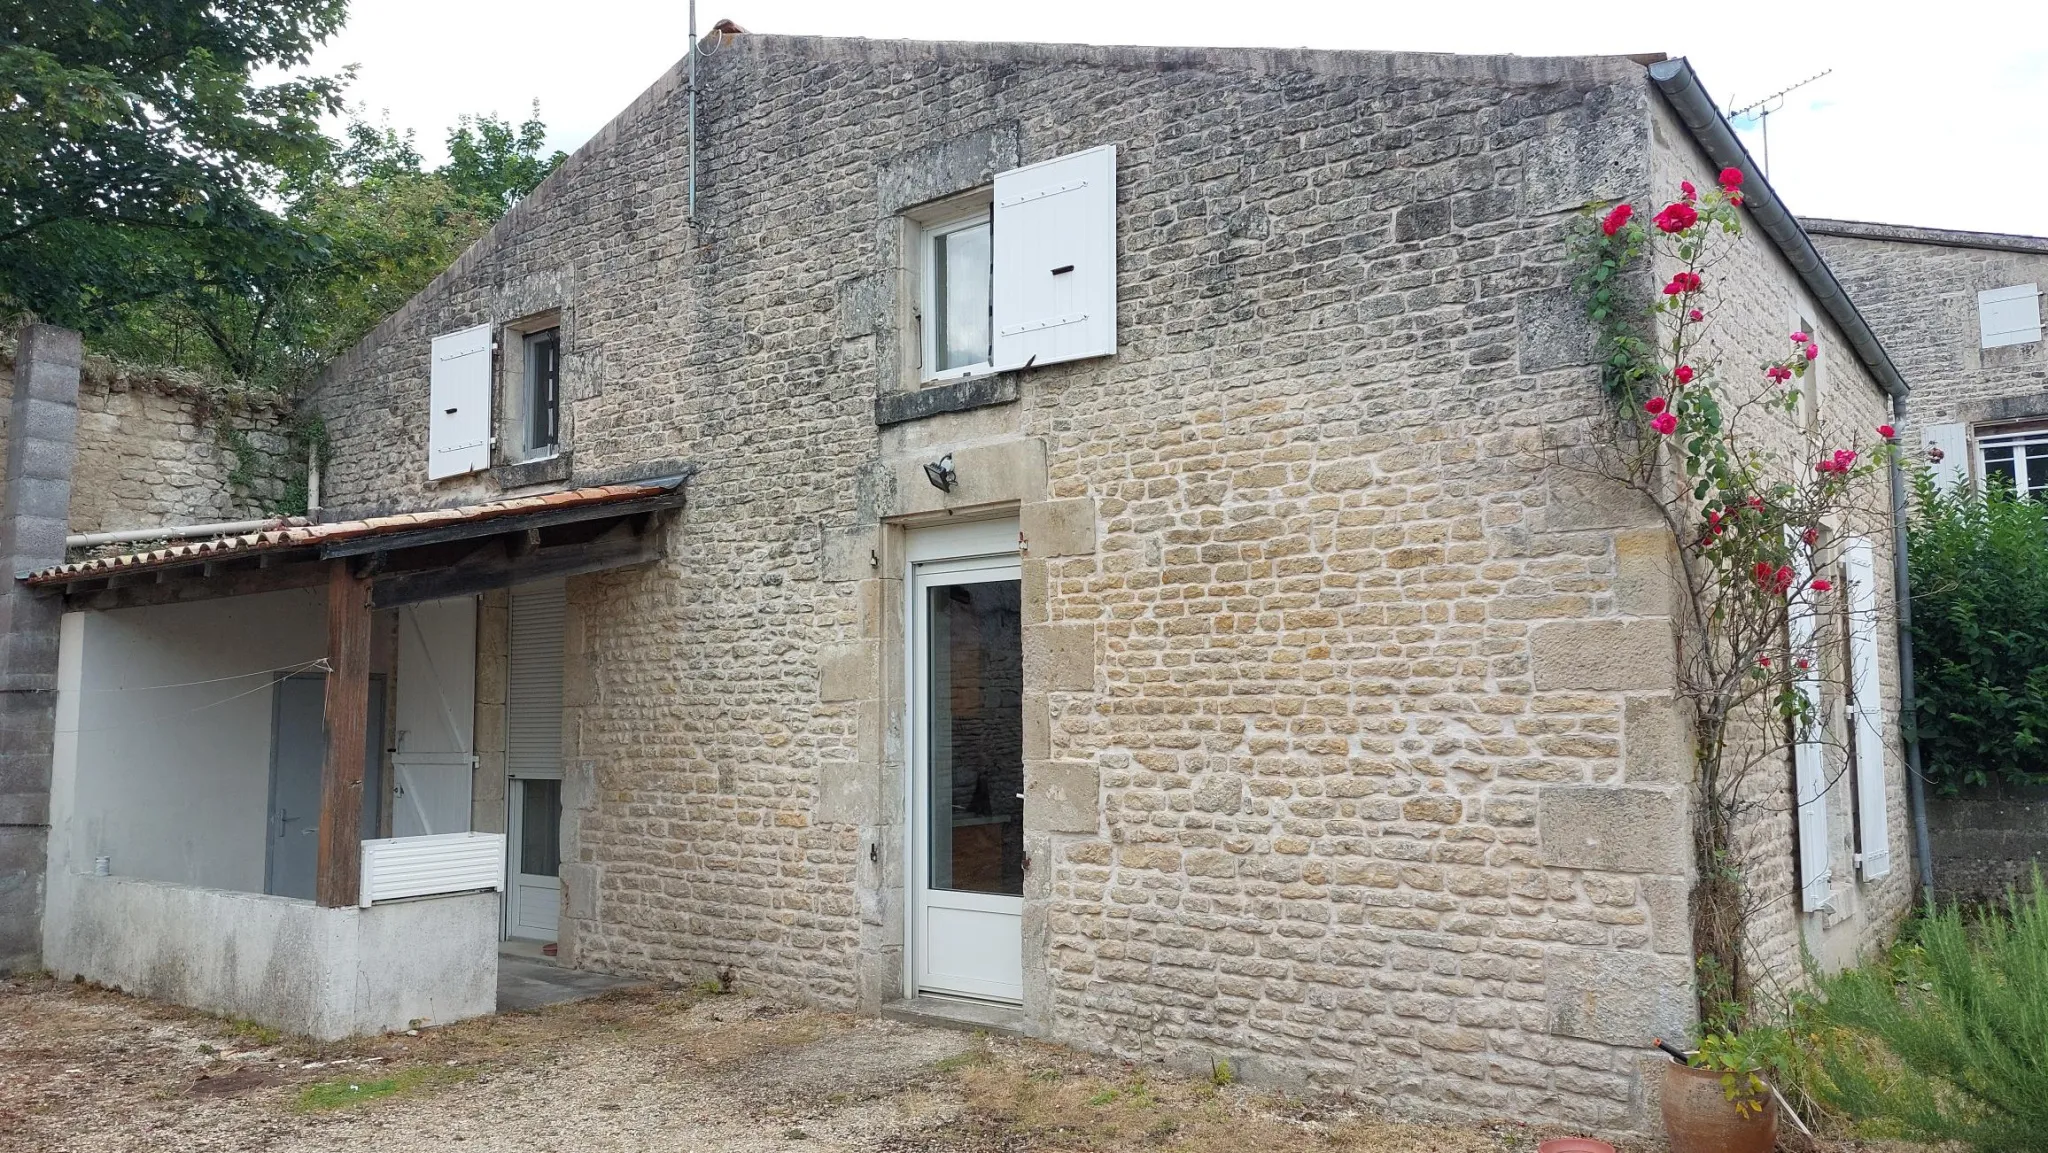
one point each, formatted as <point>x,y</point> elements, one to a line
<point>956,297</point>
<point>543,391</point>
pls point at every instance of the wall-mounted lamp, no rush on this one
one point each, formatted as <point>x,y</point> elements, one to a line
<point>940,473</point>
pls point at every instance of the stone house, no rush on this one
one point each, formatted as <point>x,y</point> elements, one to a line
<point>1074,539</point>
<point>1960,313</point>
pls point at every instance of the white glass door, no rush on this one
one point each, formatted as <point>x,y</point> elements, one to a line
<point>967,807</point>
<point>533,900</point>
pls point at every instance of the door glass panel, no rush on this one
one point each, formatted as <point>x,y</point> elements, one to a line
<point>977,738</point>
<point>540,828</point>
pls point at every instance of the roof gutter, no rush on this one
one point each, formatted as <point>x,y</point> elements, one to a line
<point>1681,86</point>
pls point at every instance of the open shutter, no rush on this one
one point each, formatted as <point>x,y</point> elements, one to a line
<point>1808,761</point>
<point>2009,315</point>
<point>533,701</point>
<point>1952,471</point>
<point>459,388</point>
<point>1054,260</point>
<point>1859,562</point>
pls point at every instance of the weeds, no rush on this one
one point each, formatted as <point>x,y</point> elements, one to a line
<point>344,1093</point>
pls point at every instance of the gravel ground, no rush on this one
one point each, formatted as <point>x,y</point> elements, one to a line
<point>85,1069</point>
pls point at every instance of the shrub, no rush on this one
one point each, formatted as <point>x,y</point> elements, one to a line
<point>1980,636</point>
<point>1947,1039</point>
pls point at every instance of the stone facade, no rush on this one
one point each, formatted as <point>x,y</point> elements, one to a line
<point>1349,747</point>
<point>1918,287</point>
<point>152,451</point>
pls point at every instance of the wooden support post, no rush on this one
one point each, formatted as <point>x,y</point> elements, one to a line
<point>347,723</point>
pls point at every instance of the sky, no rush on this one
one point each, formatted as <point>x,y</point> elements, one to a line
<point>1929,114</point>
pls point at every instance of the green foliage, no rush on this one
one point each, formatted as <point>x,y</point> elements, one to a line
<point>1947,1039</point>
<point>343,1093</point>
<point>136,147</point>
<point>1980,635</point>
<point>490,163</point>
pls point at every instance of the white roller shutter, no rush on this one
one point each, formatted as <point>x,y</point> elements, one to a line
<point>1054,263</point>
<point>1952,441</point>
<point>395,868</point>
<point>459,389</point>
<point>1808,760</point>
<point>1859,563</point>
<point>2009,315</point>
<point>533,722</point>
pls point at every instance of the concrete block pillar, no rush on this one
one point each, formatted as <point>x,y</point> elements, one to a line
<point>42,437</point>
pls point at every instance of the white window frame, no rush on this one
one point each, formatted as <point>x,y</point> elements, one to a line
<point>961,217</point>
<point>2018,438</point>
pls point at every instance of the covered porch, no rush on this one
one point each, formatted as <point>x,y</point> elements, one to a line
<point>265,782</point>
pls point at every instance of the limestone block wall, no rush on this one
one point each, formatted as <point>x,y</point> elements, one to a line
<point>1918,288</point>
<point>1350,752</point>
<point>151,451</point>
<point>1756,303</point>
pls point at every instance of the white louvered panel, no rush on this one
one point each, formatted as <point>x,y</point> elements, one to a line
<point>1053,267</point>
<point>1859,562</point>
<point>1952,443</point>
<point>459,395</point>
<point>533,723</point>
<point>399,867</point>
<point>1809,762</point>
<point>2009,315</point>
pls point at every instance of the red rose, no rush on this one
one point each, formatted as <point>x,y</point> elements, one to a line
<point>1731,179</point>
<point>1684,374</point>
<point>1665,422</point>
<point>1800,338</point>
<point>1813,352</point>
<point>1686,191</point>
<point>1735,199</point>
<point>1763,662</point>
<point>1677,217</point>
<point>1654,405</point>
<point>1802,663</point>
<point>1810,536</point>
<point>1762,571</point>
<point>1695,316</point>
<point>1782,579</point>
<point>1778,373</point>
<point>1617,219</point>
<point>1682,283</point>
<point>1757,503</point>
<point>1886,431</point>
<point>1821,585</point>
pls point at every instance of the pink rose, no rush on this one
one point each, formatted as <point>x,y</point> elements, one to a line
<point>1665,423</point>
<point>1683,373</point>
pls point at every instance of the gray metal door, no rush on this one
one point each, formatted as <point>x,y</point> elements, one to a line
<point>298,746</point>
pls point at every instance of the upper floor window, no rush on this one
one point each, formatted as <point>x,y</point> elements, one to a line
<point>2021,458</point>
<point>955,272</point>
<point>1020,273</point>
<point>543,392</point>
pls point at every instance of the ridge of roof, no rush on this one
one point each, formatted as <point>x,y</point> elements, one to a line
<point>1921,234</point>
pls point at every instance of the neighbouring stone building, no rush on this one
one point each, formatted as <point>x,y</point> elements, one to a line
<point>1960,313</point>
<point>1130,584</point>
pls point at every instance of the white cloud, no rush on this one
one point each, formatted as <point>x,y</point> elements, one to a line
<point>1931,115</point>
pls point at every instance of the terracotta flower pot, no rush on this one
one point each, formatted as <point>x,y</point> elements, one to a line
<point>1699,1117</point>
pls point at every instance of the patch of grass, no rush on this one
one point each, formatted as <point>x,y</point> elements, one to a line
<point>978,1055</point>
<point>253,1032</point>
<point>347,1092</point>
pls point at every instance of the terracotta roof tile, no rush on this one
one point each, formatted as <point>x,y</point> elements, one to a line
<point>315,535</point>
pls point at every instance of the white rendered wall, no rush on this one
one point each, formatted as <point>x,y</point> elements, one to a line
<point>173,783</point>
<point>324,973</point>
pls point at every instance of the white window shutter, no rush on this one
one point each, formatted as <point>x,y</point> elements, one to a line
<point>1054,260</point>
<point>533,697</point>
<point>459,388</point>
<point>2009,315</point>
<point>1859,563</point>
<point>1952,471</point>
<point>1808,760</point>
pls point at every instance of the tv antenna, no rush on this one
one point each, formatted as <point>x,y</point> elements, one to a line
<point>1762,110</point>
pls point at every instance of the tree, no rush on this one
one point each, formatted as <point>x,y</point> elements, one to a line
<point>136,147</point>
<point>491,162</point>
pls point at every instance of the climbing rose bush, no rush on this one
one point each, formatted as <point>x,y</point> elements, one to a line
<point>1706,444</point>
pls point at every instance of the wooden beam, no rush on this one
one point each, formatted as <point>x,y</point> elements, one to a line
<point>193,586</point>
<point>338,878</point>
<point>619,550</point>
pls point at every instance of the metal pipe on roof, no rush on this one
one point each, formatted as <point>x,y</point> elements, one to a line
<point>181,532</point>
<point>1681,86</point>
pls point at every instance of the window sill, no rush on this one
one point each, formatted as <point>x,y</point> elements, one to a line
<point>545,470</point>
<point>899,407</point>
